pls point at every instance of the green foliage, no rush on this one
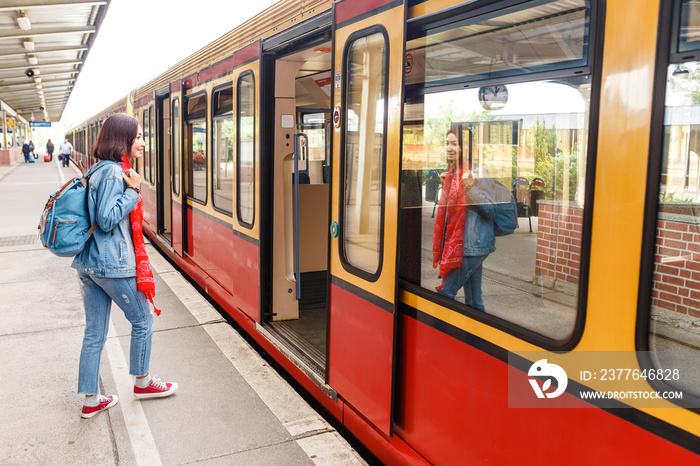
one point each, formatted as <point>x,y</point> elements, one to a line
<point>690,85</point>
<point>546,171</point>
<point>674,197</point>
<point>543,145</point>
<point>436,127</point>
<point>550,166</point>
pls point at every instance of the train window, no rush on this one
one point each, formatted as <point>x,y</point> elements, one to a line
<point>466,152</point>
<point>147,145</point>
<point>532,36</point>
<point>176,122</point>
<point>245,150</point>
<point>364,142</point>
<point>152,143</point>
<point>689,24</point>
<point>196,147</point>
<point>674,338</point>
<point>222,141</point>
<point>314,126</point>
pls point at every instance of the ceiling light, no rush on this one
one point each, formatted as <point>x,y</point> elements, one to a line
<point>37,79</point>
<point>29,44</point>
<point>32,60</point>
<point>23,21</point>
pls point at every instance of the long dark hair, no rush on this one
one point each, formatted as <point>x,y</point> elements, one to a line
<point>116,137</point>
<point>458,135</point>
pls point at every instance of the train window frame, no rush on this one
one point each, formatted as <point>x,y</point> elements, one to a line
<point>176,123</point>
<point>667,55</point>
<point>214,162</point>
<point>349,267</point>
<point>145,117</point>
<point>152,143</point>
<point>592,67</point>
<point>237,155</point>
<point>188,162</point>
<point>681,49</point>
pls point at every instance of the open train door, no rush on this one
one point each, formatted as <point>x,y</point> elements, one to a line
<point>368,73</point>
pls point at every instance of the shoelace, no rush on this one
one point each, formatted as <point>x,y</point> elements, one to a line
<point>100,399</point>
<point>157,383</point>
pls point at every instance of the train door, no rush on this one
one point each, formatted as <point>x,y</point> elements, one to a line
<point>164,167</point>
<point>368,74</point>
<point>301,196</point>
<point>178,203</point>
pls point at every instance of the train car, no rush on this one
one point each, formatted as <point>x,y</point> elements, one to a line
<point>298,169</point>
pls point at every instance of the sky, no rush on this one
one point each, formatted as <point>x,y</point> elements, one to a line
<point>140,39</point>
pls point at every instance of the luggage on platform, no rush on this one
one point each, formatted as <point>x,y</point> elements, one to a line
<point>47,158</point>
<point>31,158</point>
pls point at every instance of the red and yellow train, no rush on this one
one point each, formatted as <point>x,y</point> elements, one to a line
<point>292,169</point>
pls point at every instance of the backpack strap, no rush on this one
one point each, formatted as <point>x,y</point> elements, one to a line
<point>85,181</point>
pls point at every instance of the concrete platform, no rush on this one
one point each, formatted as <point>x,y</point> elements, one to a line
<point>231,408</point>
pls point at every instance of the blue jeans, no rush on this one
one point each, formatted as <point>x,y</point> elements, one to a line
<point>469,277</point>
<point>98,294</point>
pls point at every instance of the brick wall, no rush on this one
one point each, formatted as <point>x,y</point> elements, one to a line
<point>11,156</point>
<point>677,264</point>
<point>676,284</point>
<point>558,260</point>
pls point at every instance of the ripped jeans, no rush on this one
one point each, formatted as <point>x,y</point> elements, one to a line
<point>98,294</point>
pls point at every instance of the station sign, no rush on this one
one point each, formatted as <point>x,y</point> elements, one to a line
<point>40,124</point>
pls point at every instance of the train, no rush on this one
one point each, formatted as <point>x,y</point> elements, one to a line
<point>294,170</point>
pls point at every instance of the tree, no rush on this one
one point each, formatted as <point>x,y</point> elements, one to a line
<point>543,145</point>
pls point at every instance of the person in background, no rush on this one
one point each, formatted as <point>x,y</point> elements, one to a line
<point>31,147</point>
<point>49,149</point>
<point>26,150</point>
<point>114,265</point>
<point>463,236</point>
<point>64,152</point>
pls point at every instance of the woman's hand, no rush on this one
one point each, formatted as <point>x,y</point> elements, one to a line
<point>131,178</point>
<point>468,179</point>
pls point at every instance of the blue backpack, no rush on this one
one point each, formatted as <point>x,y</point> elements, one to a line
<point>505,212</point>
<point>65,228</point>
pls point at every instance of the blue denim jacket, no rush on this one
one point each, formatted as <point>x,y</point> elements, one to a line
<point>110,250</point>
<point>479,238</point>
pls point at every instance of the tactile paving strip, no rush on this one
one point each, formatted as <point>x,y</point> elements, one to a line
<point>18,240</point>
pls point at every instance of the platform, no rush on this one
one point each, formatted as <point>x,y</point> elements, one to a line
<point>231,408</point>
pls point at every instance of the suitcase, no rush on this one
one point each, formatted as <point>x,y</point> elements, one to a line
<point>31,159</point>
<point>47,158</point>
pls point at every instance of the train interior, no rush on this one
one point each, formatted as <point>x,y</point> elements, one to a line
<point>300,259</point>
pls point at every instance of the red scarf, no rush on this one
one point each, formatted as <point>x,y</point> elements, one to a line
<point>144,276</point>
<point>448,235</point>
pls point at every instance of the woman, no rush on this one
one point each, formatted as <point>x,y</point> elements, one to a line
<point>49,149</point>
<point>114,265</point>
<point>26,150</point>
<point>463,236</point>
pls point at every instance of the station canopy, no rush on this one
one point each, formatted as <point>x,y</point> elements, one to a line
<point>43,45</point>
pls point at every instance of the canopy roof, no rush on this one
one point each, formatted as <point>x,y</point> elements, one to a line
<point>43,45</point>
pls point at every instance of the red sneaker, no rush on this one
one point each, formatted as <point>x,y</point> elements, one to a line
<point>104,404</point>
<point>155,389</point>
